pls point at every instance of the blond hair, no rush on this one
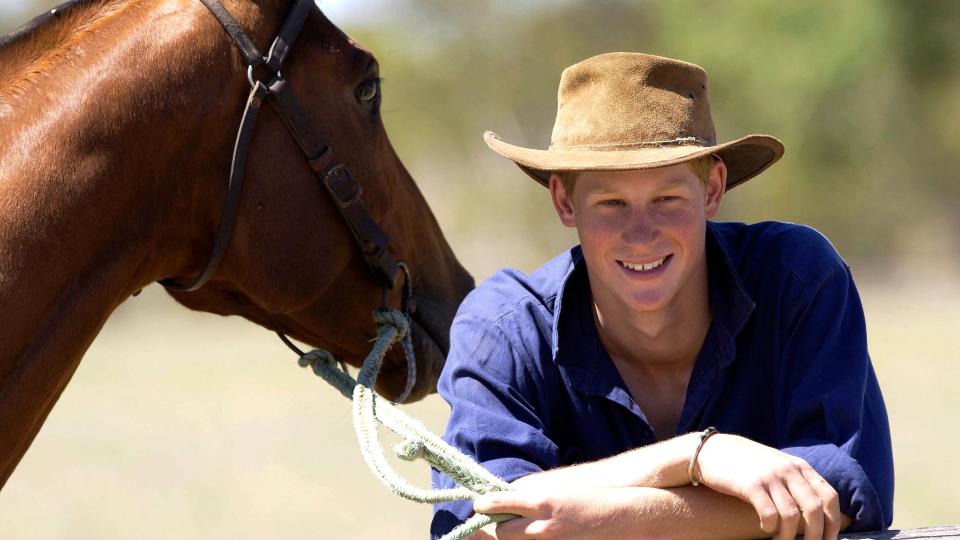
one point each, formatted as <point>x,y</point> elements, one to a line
<point>700,166</point>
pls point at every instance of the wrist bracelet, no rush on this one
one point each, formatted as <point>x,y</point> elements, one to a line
<point>707,433</point>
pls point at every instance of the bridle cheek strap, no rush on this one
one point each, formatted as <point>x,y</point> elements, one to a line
<point>339,183</point>
<point>233,28</point>
<point>234,186</point>
<point>288,34</point>
<point>333,175</point>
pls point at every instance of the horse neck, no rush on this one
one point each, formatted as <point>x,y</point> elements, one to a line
<point>102,185</point>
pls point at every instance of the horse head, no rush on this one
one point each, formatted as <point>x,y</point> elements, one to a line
<point>292,264</point>
<point>119,121</point>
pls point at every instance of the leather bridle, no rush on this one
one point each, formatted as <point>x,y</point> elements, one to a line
<point>333,174</point>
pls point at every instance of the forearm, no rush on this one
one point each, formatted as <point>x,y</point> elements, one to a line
<point>661,465</point>
<point>697,512</point>
<point>633,513</point>
<point>636,513</point>
<point>624,513</point>
<point>694,512</point>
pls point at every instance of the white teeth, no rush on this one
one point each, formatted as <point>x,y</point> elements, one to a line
<point>643,267</point>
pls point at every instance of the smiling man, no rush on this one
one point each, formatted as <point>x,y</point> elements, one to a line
<point>671,377</point>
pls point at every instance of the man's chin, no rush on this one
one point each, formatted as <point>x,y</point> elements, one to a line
<point>649,300</point>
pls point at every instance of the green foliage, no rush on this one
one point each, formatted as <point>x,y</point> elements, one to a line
<point>865,95</point>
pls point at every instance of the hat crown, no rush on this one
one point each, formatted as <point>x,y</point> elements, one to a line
<point>624,100</point>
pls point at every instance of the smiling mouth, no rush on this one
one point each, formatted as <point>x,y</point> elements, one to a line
<point>648,267</point>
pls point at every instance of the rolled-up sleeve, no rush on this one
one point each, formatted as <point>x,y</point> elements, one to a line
<point>492,416</point>
<point>831,412</point>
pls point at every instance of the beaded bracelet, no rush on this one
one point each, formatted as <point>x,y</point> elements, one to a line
<point>707,433</point>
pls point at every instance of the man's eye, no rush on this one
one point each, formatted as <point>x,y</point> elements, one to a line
<point>612,202</point>
<point>369,91</point>
<point>667,198</point>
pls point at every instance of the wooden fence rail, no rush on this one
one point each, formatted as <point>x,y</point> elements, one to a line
<point>946,531</point>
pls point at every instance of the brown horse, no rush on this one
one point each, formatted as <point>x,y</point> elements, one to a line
<point>117,124</point>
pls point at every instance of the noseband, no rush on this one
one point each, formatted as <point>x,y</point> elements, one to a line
<point>333,174</point>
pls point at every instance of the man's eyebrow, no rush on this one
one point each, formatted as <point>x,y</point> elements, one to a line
<point>675,181</point>
<point>602,191</point>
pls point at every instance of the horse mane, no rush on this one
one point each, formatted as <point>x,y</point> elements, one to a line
<point>30,50</point>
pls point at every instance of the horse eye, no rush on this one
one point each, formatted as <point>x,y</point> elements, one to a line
<point>369,91</point>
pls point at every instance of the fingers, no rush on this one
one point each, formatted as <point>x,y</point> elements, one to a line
<point>802,497</point>
<point>758,497</point>
<point>788,511</point>
<point>505,502</point>
<point>808,501</point>
<point>513,502</point>
<point>832,518</point>
<point>518,529</point>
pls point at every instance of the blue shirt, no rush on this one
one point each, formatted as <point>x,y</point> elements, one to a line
<point>784,363</point>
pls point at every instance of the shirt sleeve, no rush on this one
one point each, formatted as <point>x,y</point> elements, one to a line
<point>831,411</point>
<point>492,417</point>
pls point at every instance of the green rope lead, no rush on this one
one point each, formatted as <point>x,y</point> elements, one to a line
<point>419,442</point>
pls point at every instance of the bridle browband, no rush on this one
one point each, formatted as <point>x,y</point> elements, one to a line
<point>333,174</point>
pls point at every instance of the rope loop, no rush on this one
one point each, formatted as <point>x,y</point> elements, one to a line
<point>418,442</point>
<point>399,321</point>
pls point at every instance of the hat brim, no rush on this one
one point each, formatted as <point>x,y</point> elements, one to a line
<point>745,157</point>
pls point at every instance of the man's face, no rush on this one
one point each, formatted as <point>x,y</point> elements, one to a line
<point>642,232</point>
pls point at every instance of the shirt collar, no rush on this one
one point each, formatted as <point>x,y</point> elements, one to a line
<point>576,267</point>
<point>730,303</point>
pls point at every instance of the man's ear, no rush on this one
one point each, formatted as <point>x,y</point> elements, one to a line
<point>715,187</point>
<point>562,202</point>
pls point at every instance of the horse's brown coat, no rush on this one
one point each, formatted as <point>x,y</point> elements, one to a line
<point>117,119</point>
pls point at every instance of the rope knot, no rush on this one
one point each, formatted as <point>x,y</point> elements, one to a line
<point>394,318</point>
<point>319,359</point>
<point>410,450</point>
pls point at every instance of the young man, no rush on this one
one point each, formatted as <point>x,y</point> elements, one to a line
<point>671,376</point>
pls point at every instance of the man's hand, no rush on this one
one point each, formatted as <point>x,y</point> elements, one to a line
<point>785,490</point>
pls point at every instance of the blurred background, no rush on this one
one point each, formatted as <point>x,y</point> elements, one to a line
<point>181,424</point>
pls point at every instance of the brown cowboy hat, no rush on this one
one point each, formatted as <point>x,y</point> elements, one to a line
<point>622,111</point>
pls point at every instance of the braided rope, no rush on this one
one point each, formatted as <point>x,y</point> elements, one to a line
<point>419,442</point>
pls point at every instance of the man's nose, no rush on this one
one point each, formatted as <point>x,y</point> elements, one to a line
<point>641,229</point>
